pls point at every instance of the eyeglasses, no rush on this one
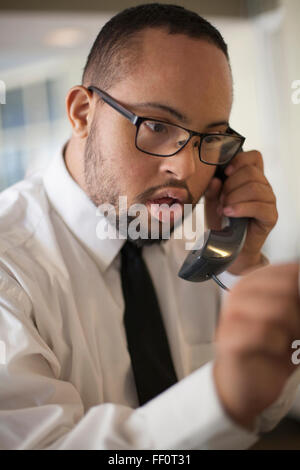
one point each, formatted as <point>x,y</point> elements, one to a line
<point>162,139</point>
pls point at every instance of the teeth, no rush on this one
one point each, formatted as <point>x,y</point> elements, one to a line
<point>169,202</point>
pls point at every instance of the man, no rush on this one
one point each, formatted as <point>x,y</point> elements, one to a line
<point>70,378</point>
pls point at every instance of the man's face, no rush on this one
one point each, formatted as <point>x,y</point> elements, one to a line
<point>188,75</point>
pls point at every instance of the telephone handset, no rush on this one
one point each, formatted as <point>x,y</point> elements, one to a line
<point>219,249</point>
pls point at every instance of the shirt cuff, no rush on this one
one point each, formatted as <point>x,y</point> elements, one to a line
<point>280,408</point>
<point>189,415</point>
<point>295,409</point>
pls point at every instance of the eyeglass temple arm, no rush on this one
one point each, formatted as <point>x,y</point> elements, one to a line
<point>118,107</point>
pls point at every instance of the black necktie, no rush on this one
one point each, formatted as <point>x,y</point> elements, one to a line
<point>146,337</point>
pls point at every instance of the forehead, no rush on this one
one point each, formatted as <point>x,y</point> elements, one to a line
<point>189,73</point>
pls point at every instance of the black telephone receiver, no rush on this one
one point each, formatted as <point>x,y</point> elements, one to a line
<point>219,250</point>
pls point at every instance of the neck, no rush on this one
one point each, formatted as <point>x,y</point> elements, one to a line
<point>74,161</point>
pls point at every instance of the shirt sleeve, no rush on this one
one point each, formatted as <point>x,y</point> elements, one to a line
<point>39,410</point>
<point>295,408</point>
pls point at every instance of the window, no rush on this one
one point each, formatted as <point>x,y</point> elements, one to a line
<point>32,123</point>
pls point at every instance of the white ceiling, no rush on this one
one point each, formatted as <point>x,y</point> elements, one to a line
<point>23,35</point>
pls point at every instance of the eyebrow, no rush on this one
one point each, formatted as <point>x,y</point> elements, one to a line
<point>218,123</point>
<point>177,114</point>
<point>174,112</point>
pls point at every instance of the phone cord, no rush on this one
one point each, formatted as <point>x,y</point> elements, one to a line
<point>214,277</point>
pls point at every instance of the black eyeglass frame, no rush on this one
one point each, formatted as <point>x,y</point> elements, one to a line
<point>138,120</point>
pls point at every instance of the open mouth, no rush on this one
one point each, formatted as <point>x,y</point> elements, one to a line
<point>165,209</point>
<point>166,205</point>
<point>165,200</point>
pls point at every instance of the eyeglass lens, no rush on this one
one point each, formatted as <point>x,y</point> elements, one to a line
<point>165,139</point>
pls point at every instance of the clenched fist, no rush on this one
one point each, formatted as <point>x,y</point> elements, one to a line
<point>258,323</point>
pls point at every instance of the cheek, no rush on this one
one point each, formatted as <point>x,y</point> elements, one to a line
<point>200,180</point>
<point>116,143</point>
<point>132,169</point>
<point>130,163</point>
<point>138,172</point>
<point>133,165</point>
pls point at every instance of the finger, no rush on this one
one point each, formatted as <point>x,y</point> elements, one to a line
<point>252,157</point>
<point>250,191</point>
<point>244,175</point>
<point>269,308</point>
<point>280,277</point>
<point>264,212</point>
<point>268,293</point>
<point>244,336</point>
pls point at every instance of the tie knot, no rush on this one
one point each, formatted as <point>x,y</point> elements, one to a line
<point>130,250</point>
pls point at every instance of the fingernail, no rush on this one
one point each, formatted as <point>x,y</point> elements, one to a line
<point>228,210</point>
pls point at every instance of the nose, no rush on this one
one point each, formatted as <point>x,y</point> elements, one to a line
<point>184,164</point>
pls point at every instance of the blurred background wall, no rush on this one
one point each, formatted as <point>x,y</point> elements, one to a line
<point>43,49</point>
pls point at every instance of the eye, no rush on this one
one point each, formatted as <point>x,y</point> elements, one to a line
<point>209,139</point>
<point>156,127</point>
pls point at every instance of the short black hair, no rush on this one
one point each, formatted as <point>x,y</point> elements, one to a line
<point>117,46</point>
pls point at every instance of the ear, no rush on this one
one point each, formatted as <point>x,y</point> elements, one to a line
<point>79,110</point>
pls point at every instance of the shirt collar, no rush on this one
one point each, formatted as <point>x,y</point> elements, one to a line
<point>79,212</point>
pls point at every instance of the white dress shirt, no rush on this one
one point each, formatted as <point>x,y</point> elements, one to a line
<point>67,380</point>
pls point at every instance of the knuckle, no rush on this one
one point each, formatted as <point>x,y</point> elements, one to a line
<point>273,198</point>
<point>272,219</point>
<point>253,171</point>
<point>230,344</point>
<point>276,339</point>
<point>237,290</point>
<point>253,187</point>
<point>265,332</point>
<point>272,191</point>
<point>233,347</point>
<point>258,155</point>
<point>231,313</point>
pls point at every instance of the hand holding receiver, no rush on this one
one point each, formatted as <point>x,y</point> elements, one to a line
<point>219,250</point>
<point>247,198</point>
